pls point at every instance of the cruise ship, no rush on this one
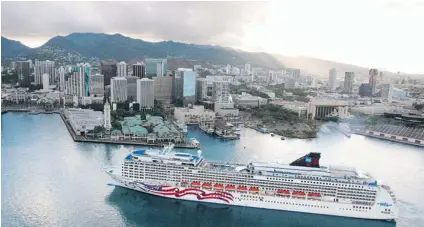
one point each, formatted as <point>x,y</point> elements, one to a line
<point>301,186</point>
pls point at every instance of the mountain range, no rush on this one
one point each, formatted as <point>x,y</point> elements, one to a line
<point>104,46</point>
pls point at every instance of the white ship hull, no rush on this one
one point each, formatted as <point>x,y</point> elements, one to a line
<point>247,199</point>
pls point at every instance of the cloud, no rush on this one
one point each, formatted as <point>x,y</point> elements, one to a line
<point>221,23</point>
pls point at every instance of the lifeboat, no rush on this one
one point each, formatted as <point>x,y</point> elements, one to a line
<point>298,193</point>
<point>254,189</point>
<point>195,184</point>
<point>218,186</point>
<point>283,192</point>
<point>207,185</point>
<point>314,194</point>
<point>241,188</point>
<point>230,187</point>
<point>184,183</point>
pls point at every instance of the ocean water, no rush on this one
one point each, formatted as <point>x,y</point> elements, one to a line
<point>49,180</point>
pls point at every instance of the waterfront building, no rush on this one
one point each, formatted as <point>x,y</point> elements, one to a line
<point>189,87</point>
<point>46,84</point>
<point>118,89</point>
<point>23,71</point>
<point>156,67</point>
<point>163,88</point>
<point>108,70</point>
<point>387,91</point>
<point>107,122</point>
<point>97,85</point>
<point>247,100</point>
<point>193,114</point>
<point>132,88</point>
<point>42,67</point>
<point>322,109</point>
<point>365,90</point>
<point>82,120</point>
<point>226,111</point>
<point>145,93</point>
<point>332,79</point>
<point>62,79</point>
<point>122,69</point>
<point>348,82</point>
<point>139,70</point>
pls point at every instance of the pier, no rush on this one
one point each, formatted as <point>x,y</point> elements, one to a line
<point>78,138</point>
<point>393,133</point>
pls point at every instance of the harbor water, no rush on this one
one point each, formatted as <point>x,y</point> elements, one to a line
<point>49,180</point>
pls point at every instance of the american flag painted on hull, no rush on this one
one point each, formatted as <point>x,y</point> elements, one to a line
<point>174,191</point>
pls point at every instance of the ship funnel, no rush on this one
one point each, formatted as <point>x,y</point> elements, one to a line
<point>199,153</point>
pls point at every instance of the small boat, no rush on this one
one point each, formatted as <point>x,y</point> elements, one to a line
<point>230,187</point>
<point>298,193</point>
<point>195,184</point>
<point>241,188</point>
<point>283,192</point>
<point>218,187</point>
<point>314,195</point>
<point>195,143</point>
<point>272,134</point>
<point>207,185</point>
<point>254,190</point>
<point>283,138</point>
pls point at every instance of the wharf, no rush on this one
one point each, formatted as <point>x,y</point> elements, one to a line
<point>77,138</point>
<point>390,137</point>
<point>28,109</point>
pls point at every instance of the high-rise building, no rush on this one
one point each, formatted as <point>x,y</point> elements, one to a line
<point>42,67</point>
<point>348,82</point>
<point>228,70</point>
<point>177,91</point>
<point>189,87</point>
<point>365,90</point>
<point>156,67</point>
<point>86,70</point>
<point>248,69</point>
<point>221,91</point>
<point>118,89</point>
<point>122,69</point>
<point>106,111</point>
<point>77,81</point>
<point>139,70</point>
<point>132,88</point>
<point>23,71</point>
<point>295,73</point>
<point>332,79</point>
<point>145,93</point>
<point>204,89</point>
<point>373,73</point>
<point>108,69</point>
<point>163,88</point>
<point>46,84</point>
<point>62,79</point>
<point>97,85</point>
<point>387,91</point>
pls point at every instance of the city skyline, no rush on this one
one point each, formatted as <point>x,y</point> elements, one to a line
<point>250,26</point>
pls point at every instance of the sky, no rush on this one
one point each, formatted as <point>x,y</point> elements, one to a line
<point>371,33</point>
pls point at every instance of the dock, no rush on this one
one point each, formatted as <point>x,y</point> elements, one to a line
<point>77,138</point>
<point>399,134</point>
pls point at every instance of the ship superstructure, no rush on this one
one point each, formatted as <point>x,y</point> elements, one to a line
<point>302,186</point>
